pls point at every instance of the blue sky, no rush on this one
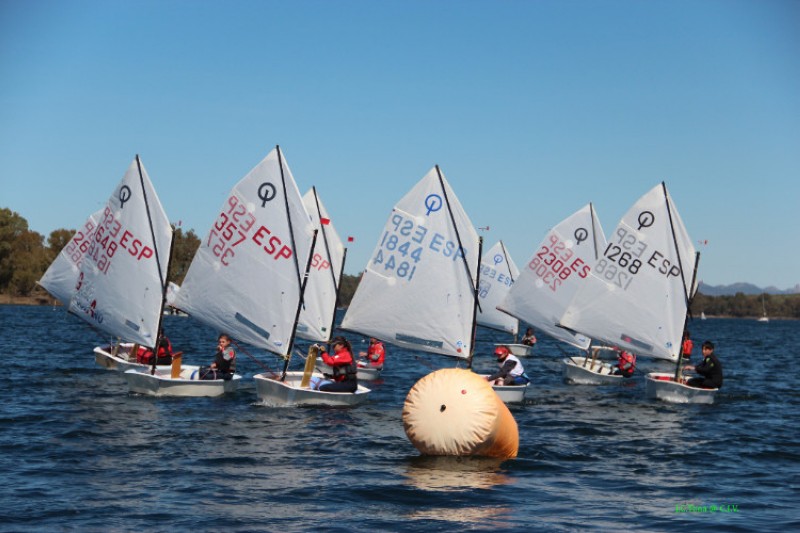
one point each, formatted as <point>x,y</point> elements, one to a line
<point>531,109</point>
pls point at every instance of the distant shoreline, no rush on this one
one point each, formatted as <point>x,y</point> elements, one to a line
<point>6,299</point>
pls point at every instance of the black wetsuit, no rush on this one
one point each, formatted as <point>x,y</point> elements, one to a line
<point>711,370</point>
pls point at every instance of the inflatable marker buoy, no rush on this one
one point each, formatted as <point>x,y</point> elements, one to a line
<point>456,412</point>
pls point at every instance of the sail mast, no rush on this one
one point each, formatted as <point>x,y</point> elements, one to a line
<point>156,251</point>
<point>291,227</point>
<point>594,232</point>
<point>475,307</point>
<point>678,366</point>
<point>458,234</point>
<point>338,288</point>
<point>163,300</point>
<point>299,307</point>
<point>325,240</point>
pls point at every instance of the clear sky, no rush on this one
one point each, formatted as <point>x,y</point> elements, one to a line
<point>531,109</point>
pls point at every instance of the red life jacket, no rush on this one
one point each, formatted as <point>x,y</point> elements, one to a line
<point>626,363</point>
<point>376,353</point>
<point>688,345</point>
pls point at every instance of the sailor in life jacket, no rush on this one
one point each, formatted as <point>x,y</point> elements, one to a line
<point>376,354</point>
<point>224,365</point>
<point>687,346</point>
<point>345,369</point>
<point>511,371</point>
<point>626,364</point>
<point>164,357</point>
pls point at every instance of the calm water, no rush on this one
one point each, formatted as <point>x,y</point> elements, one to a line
<point>77,452</point>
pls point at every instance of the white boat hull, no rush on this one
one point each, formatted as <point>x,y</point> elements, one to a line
<point>364,373</point>
<point>122,361</point>
<point>598,374</point>
<point>162,384</point>
<point>520,350</point>
<point>287,393</point>
<point>661,386</point>
<point>511,393</point>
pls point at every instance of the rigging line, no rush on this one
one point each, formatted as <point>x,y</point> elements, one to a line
<point>508,263</point>
<point>155,248</point>
<point>254,358</point>
<point>289,218</point>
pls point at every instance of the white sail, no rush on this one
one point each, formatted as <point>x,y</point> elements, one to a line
<point>498,274</point>
<point>61,277</point>
<point>417,291</point>
<point>120,286</point>
<point>636,294</point>
<point>319,298</point>
<point>559,266</point>
<point>172,292</point>
<point>245,278</point>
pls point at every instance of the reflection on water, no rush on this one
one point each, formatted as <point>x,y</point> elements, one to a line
<point>454,474</point>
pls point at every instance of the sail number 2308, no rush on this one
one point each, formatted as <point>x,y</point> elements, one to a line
<point>552,263</point>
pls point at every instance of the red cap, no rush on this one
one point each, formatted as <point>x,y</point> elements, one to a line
<point>501,352</point>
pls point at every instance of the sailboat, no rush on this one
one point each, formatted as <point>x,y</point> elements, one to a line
<point>638,294</point>
<point>498,273</point>
<point>560,265</point>
<point>419,288</point>
<point>763,317</point>
<point>266,278</point>
<point>112,273</point>
<point>246,279</point>
<point>321,295</point>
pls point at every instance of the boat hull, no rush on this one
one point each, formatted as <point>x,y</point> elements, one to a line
<point>520,350</point>
<point>577,374</point>
<point>287,393</point>
<point>511,393</point>
<point>163,384</point>
<point>104,356</point>
<point>662,386</point>
<point>364,373</point>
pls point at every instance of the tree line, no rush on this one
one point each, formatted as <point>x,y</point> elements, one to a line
<point>25,255</point>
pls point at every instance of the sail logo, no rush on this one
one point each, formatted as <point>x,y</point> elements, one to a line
<point>89,309</point>
<point>267,193</point>
<point>433,203</point>
<point>124,195</point>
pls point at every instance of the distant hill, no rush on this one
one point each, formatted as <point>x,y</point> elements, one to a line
<point>744,288</point>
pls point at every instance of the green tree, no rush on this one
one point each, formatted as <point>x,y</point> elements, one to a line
<point>58,239</point>
<point>184,247</point>
<point>23,257</point>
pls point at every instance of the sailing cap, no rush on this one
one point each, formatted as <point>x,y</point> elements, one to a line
<point>501,352</point>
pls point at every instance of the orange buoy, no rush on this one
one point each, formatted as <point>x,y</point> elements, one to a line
<point>456,412</point>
